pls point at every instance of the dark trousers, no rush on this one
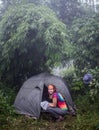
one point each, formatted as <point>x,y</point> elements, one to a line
<point>56,112</point>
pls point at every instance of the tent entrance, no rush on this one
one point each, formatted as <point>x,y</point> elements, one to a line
<point>45,94</point>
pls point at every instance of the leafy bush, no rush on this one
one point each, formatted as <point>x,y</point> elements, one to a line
<point>88,115</point>
<point>7,97</point>
<point>85,37</point>
<point>75,82</point>
<point>93,87</point>
<point>31,40</point>
<point>5,107</point>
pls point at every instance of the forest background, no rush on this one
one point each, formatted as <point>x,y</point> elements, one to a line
<point>41,35</point>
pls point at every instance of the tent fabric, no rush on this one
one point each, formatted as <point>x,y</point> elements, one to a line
<point>34,90</point>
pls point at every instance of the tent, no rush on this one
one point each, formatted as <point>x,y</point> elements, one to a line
<point>34,90</point>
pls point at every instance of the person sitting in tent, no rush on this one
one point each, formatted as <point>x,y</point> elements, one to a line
<point>58,107</point>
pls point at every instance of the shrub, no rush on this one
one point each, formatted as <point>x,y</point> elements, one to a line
<point>7,96</point>
<point>77,86</point>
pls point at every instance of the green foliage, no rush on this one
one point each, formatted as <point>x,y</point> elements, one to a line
<point>5,107</point>
<point>79,88</point>
<point>93,87</point>
<point>67,10</point>
<point>7,96</point>
<point>88,115</point>
<point>74,8</point>
<point>76,84</point>
<point>31,39</point>
<point>7,92</point>
<point>85,39</point>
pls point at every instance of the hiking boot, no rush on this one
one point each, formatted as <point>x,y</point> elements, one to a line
<point>60,119</point>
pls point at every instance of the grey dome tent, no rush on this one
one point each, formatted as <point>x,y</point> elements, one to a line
<point>34,90</point>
